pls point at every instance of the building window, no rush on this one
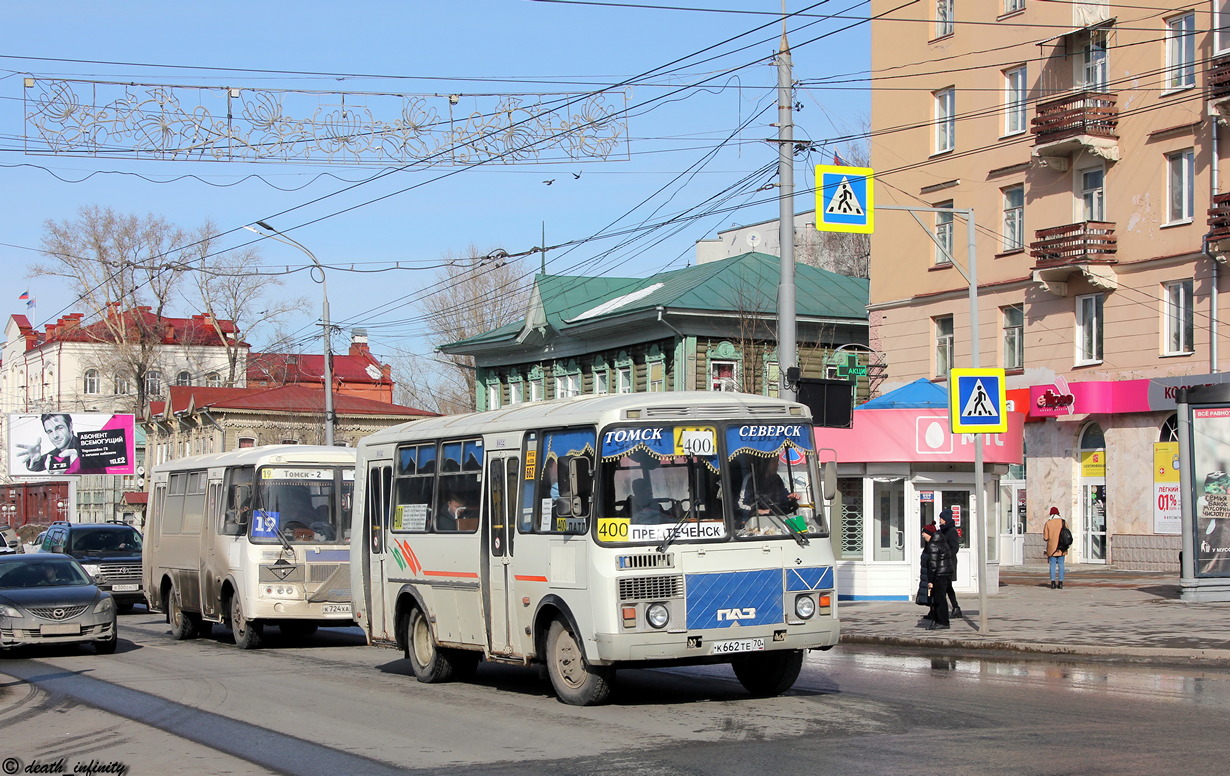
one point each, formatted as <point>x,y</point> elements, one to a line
<point>1093,197</point>
<point>183,378</point>
<point>213,380</point>
<point>602,381</point>
<point>657,376</point>
<point>723,376</point>
<point>1181,194</point>
<point>1093,62</point>
<point>290,441</point>
<point>1089,324</point>
<point>121,386</point>
<point>516,392</point>
<point>943,18</point>
<point>536,389</point>
<point>1014,336</point>
<point>624,379</point>
<point>943,345</point>
<point>1170,429</point>
<point>567,386</point>
<point>1181,51</point>
<point>1012,6</point>
<point>1014,218</point>
<point>153,383</point>
<point>1015,119</point>
<point>943,235</point>
<point>92,381</point>
<point>1180,319</point>
<point>493,396</point>
<point>772,379</point>
<point>945,119</point>
<point>1223,26</point>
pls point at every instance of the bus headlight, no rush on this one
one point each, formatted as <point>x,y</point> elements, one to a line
<point>283,591</point>
<point>657,615</point>
<point>804,606</point>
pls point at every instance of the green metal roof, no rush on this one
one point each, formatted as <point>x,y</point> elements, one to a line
<point>745,284</point>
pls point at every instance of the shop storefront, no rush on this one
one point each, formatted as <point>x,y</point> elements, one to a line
<point>898,467</point>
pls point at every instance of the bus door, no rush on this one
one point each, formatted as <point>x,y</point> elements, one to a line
<point>210,563</point>
<point>376,527</point>
<point>502,471</point>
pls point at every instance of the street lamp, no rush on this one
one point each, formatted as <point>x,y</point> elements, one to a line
<point>324,314</point>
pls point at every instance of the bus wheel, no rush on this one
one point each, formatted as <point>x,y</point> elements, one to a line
<point>248,633</point>
<point>576,682</point>
<point>183,626</point>
<point>429,663</point>
<point>768,673</point>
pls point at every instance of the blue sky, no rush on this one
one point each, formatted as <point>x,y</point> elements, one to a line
<point>479,50</point>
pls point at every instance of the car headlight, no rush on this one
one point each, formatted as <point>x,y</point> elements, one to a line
<point>105,605</point>
<point>804,606</point>
<point>10,611</point>
<point>91,568</point>
<point>657,615</point>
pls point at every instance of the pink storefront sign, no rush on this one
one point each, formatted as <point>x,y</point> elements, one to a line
<point>1106,397</point>
<point>917,435</point>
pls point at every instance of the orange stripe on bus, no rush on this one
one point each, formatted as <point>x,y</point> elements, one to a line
<point>467,574</point>
<point>521,578</point>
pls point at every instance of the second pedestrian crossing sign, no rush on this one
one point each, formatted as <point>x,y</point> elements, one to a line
<point>977,401</point>
<point>845,199</point>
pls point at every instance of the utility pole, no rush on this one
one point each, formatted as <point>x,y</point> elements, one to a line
<point>786,338</point>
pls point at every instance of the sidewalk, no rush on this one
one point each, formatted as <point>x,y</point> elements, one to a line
<point>1101,612</point>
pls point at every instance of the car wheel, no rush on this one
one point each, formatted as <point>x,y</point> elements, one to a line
<point>108,646</point>
<point>249,634</point>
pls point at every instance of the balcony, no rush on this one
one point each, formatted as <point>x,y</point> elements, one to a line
<point>1218,87</point>
<point>1087,121</point>
<point>1219,227</point>
<point>1086,249</point>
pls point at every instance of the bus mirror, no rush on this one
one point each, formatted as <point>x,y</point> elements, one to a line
<point>580,478</point>
<point>828,480</point>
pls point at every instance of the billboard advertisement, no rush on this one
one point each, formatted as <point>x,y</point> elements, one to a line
<point>1211,482</point>
<point>66,443</point>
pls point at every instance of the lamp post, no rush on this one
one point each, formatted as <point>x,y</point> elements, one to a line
<point>324,315</point>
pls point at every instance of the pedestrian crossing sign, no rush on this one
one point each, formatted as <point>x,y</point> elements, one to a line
<point>845,200</point>
<point>977,401</point>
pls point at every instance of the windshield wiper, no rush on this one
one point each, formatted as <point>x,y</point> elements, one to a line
<point>673,533</point>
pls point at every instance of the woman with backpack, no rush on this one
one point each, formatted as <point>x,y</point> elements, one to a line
<point>1058,539</point>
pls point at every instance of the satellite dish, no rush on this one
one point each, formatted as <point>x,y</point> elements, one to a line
<point>753,239</point>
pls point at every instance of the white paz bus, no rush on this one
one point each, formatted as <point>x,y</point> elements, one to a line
<point>251,538</point>
<point>636,530</point>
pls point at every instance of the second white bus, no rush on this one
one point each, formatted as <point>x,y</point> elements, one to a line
<point>251,538</point>
<point>638,530</point>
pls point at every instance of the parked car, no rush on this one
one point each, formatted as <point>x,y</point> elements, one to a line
<point>49,599</point>
<point>109,552</point>
<point>9,540</point>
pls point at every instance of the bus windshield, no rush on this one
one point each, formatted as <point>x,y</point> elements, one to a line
<point>691,483</point>
<point>303,504</point>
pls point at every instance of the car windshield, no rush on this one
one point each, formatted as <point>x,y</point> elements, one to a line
<point>41,572</point>
<point>303,504</point>
<point>105,540</point>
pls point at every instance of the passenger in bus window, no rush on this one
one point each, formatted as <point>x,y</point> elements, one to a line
<point>763,491</point>
<point>454,509</point>
<point>644,509</point>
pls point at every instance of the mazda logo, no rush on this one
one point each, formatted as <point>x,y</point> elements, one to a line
<point>58,613</point>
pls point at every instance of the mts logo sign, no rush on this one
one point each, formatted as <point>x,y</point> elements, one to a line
<point>734,615</point>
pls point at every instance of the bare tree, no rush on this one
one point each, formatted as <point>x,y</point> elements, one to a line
<point>480,293</point>
<point>230,286</point>
<point>117,263</point>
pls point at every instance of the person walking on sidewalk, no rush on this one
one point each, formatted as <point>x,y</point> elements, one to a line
<point>941,569</point>
<point>948,529</point>
<point>1051,529</point>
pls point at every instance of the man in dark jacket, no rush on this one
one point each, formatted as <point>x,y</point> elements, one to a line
<point>941,557</point>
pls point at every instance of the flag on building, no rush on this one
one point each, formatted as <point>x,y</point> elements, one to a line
<point>837,160</point>
<point>24,295</point>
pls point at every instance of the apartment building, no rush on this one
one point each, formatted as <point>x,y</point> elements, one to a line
<point>1085,137</point>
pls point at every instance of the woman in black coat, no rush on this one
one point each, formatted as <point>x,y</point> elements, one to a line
<point>941,565</point>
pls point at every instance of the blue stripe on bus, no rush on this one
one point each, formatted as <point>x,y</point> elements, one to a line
<point>332,556</point>
<point>815,578</point>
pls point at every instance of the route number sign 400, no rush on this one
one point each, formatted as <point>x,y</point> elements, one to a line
<point>695,441</point>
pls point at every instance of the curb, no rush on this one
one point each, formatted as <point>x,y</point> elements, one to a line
<point>1220,657</point>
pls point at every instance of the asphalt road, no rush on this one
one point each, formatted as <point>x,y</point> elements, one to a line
<point>331,705</point>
